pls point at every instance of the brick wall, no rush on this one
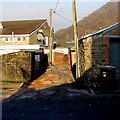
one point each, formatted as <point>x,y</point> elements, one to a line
<point>107,51</point>
<point>60,58</point>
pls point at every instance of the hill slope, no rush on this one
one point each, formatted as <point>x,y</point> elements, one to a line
<point>103,17</point>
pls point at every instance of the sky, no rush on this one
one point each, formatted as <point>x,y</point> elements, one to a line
<point>40,9</point>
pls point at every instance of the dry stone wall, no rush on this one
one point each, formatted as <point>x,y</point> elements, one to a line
<point>92,54</point>
<point>16,67</point>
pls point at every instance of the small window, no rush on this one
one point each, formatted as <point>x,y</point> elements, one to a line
<point>6,39</point>
<point>19,39</point>
<point>9,39</point>
<point>46,41</point>
<point>24,39</point>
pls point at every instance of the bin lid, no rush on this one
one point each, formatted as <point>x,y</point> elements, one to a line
<point>107,67</point>
<point>71,48</point>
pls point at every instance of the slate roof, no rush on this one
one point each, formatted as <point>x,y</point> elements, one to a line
<point>114,28</point>
<point>20,27</point>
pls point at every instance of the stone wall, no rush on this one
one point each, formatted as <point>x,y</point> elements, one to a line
<point>93,52</point>
<point>16,67</point>
<point>23,66</point>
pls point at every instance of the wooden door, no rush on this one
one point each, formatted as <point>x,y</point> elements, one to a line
<point>115,56</point>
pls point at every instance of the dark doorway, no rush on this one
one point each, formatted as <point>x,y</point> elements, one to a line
<point>115,56</point>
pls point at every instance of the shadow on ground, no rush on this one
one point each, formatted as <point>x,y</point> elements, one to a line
<point>60,102</point>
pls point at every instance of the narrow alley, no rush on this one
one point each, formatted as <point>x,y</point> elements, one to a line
<point>53,97</point>
<point>60,60</point>
<point>54,76</point>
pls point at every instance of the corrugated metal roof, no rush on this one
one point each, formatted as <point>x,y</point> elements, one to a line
<point>104,31</point>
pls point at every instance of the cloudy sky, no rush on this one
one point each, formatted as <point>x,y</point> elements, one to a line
<point>39,9</point>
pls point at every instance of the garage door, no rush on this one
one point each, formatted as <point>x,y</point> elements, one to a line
<point>115,56</point>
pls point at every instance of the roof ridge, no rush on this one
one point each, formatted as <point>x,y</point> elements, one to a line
<point>22,20</point>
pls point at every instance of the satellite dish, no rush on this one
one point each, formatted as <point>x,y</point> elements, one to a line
<point>40,36</point>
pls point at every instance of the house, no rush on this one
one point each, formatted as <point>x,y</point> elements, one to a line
<point>99,49</point>
<point>23,32</point>
<point>23,65</point>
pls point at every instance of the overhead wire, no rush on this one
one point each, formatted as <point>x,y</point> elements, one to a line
<point>54,11</point>
<point>56,5</point>
<point>62,16</point>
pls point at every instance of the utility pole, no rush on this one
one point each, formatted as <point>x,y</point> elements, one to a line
<point>76,38</point>
<point>50,42</point>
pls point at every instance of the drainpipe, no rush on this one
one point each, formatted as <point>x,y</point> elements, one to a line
<point>13,38</point>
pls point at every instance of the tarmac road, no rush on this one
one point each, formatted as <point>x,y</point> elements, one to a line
<point>60,103</point>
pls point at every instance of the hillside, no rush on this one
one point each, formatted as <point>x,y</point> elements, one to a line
<point>103,17</point>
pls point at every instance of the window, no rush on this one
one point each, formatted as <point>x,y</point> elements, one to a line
<point>9,39</point>
<point>17,39</point>
<point>46,41</point>
<point>24,38</point>
<point>21,39</point>
<point>6,39</point>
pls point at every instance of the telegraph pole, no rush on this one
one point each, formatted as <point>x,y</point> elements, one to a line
<point>51,32</point>
<point>76,38</point>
